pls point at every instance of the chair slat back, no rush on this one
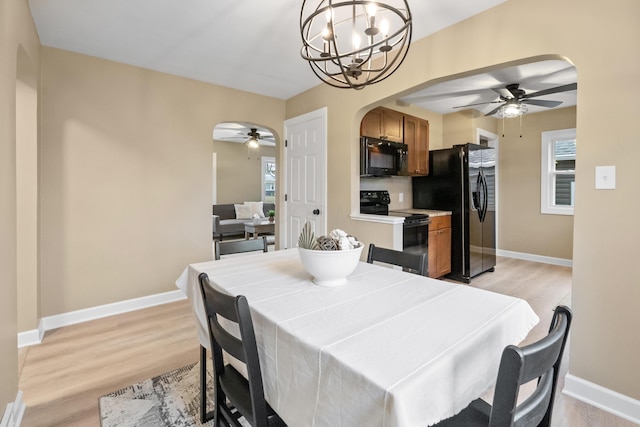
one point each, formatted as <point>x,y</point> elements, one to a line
<point>415,262</point>
<point>240,246</point>
<point>219,305</point>
<point>519,365</point>
<point>244,348</point>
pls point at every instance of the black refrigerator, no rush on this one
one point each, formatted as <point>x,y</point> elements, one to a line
<point>462,180</point>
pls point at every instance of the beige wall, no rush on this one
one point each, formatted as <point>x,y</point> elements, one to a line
<point>605,291</point>
<point>522,228</point>
<point>127,176</point>
<point>19,50</point>
<point>462,127</point>
<point>239,171</point>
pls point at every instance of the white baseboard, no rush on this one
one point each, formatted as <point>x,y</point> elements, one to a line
<point>535,258</point>
<point>610,401</point>
<point>13,414</point>
<point>34,336</point>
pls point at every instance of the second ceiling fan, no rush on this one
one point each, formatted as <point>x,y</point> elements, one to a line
<point>513,96</point>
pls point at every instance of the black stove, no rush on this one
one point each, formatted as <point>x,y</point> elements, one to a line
<point>415,230</point>
<point>375,202</point>
<point>412,218</point>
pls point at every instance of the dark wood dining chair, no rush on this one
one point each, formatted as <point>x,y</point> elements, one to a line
<point>518,366</point>
<point>245,395</point>
<point>239,246</point>
<point>415,263</point>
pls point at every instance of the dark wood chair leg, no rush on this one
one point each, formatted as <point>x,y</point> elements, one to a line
<point>203,385</point>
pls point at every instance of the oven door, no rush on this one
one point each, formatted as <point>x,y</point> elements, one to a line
<point>416,236</point>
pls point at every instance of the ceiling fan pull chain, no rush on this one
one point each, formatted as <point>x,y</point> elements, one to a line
<point>520,126</point>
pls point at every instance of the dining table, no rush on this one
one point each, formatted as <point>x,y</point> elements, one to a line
<point>388,348</point>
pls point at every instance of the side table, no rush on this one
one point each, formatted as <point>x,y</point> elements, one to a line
<point>256,228</point>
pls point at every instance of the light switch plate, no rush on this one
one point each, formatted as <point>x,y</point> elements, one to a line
<point>605,177</point>
<point>401,197</point>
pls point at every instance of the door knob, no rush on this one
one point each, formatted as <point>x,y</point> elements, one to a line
<point>316,211</point>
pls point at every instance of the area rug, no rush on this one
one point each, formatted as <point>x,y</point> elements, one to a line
<point>168,400</point>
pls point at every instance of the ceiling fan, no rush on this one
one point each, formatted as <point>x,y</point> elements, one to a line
<point>243,133</point>
<point>513,100</point>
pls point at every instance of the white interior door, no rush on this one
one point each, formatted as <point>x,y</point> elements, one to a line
<point>306,174</point>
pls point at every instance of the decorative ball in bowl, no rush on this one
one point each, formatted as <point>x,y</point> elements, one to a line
<point>330,268</point>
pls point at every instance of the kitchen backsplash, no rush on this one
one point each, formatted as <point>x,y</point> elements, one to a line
<point>399,187</point>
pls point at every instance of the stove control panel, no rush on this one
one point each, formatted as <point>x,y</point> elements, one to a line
<point>373,197</point>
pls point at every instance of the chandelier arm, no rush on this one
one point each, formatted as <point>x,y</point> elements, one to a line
<point>361,50</point>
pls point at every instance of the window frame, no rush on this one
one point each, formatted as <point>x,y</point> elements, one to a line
<point>548,172</point>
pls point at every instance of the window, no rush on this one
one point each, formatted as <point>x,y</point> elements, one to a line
<point>268,179</point>
<point>558,170</point>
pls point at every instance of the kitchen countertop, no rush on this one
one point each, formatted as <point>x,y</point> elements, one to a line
<point>430,212</point>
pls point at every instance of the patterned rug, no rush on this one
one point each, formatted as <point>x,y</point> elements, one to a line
<point>171,400</point>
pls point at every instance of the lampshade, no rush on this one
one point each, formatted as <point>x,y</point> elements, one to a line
<point>513,108</point>
<point>352,44</point>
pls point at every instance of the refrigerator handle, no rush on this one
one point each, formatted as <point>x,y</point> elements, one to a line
<point>485,194</point>
<point>475,196</point>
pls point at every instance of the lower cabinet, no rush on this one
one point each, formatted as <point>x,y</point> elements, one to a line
<point>439,246</point>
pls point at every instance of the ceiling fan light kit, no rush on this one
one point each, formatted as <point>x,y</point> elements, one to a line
<point>352,44</point>
<point>512,109</point>
<point>252,142</point>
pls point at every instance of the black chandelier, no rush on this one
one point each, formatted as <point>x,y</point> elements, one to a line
<point>352,44</point>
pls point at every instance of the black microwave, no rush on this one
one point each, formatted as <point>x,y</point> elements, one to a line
<point>379,157</point>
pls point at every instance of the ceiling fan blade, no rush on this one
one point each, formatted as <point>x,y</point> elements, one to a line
<point>504,93</point>
<point>541,103</point>
<point>557,89</point>
<point>492,112</point>
<point>479,103</point>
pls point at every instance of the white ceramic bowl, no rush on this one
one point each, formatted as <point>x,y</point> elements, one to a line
<point>330,268</point>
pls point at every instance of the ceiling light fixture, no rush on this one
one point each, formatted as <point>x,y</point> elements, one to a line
<point>352,44</point>
<point>513,108</point>
<point>252,142</point>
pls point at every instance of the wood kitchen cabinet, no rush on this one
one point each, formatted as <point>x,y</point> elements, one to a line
<point>384,124</point>
<point>394,126</point>
<point>439,255</point>
<point>416,136</point>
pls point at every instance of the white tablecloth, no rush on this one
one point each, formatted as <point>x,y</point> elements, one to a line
<point>387,349</point>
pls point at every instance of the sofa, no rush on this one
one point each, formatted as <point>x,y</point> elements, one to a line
<point>226,224</point>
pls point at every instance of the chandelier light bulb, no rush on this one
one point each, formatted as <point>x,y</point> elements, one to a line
<point>371,9</point>
<point>384,28</point>
<point>356,42</point>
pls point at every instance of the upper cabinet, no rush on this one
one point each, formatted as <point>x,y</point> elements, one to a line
<point>394,126</point>
<point>384,124</point>
<point>416,136</point>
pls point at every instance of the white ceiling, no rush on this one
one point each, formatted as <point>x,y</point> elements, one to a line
<point>484,87</point>
<point>254,45</point>
<point>251,45</point>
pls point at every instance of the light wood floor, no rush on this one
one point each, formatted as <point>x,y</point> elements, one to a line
<point>63,377</point>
